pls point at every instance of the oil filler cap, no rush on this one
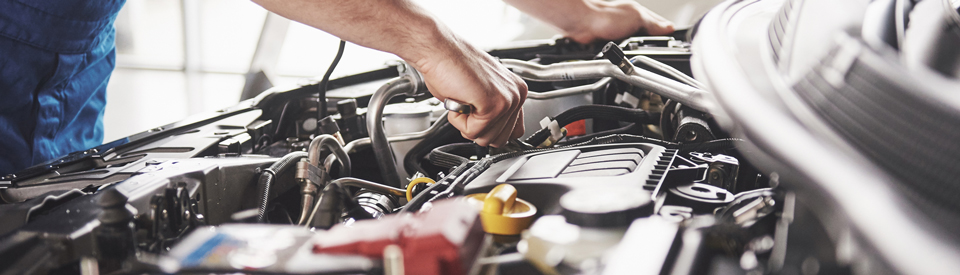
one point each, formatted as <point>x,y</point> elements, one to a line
<point>606,207</point>
<point>502,213</point>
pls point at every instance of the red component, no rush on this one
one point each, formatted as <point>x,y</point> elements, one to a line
<point>577,128</point>
<point>444,240</point>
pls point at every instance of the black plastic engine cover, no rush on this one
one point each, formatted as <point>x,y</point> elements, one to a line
<point>542,177</point>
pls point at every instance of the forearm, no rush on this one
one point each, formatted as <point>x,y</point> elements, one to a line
<point>396,26</point>
<point>568,15</point>
<point>588,20</point>
<point>451,68</point>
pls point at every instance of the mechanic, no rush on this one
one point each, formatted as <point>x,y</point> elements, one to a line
<point>57,56</point>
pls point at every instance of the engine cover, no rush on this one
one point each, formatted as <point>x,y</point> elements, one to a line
<point>542,177</point>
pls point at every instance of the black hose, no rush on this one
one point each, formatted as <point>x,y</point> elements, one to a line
<point>424,196</point>
<point>267,178</point>
<point>596,111</point>
<point>411,162</point>
<point>418,200</point>
<point>334,199</point>
<point>322,96</point>
<point>451,155</point>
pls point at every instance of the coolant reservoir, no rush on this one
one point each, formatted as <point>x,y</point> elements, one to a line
<point>593,222</point>
<point>408,117</point>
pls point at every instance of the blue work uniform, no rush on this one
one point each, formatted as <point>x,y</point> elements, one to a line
<point>55,59</point>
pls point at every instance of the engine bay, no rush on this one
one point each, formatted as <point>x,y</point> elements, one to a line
<point>628,166</point>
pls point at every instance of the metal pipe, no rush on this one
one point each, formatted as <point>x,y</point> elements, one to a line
<point>308,223</point>
<point>689,96</point>
<point>372,186</point>
<point>310,189</point>
<point>583,89</point>
<point>352,146</point>
<point>305,208</point>
<point>333,144</point>
<point>668,70</point>
<point>381,146</point>
<point>354,182</point>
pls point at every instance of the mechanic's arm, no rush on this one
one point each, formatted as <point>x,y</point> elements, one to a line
<point>450,66</point>
<point>585,21</point>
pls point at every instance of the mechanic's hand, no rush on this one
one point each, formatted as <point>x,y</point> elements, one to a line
<point>471,76</point>
<point>612,20</point>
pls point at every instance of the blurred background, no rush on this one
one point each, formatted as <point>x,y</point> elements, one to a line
<point>179,58</point>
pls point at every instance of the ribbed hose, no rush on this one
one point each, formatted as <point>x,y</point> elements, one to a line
<point>596,111</point>
<point>267,178</point>
<point>446,131</point>
<point>451,155</point>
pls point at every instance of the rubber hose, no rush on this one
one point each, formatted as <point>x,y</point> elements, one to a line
<point>411,162</point>
<point>424,196</point>
<point>333,199</point>
<point>267,178</point>
<point>451,155</point>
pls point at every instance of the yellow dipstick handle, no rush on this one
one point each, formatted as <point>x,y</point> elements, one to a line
<point>414,183</point>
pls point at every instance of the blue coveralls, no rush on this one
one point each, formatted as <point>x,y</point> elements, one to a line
<point>55,59</point>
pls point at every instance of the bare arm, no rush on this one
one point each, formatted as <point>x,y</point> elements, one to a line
<point>450,67</point>
<point>587,20</point>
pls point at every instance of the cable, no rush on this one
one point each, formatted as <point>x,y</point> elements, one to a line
<point>267,178</point>
<point>622,130</point>
<point>325,81</point>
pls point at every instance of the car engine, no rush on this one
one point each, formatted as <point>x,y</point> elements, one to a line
<point>817,137</point>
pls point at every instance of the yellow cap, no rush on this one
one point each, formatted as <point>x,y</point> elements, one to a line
<point>501,212</point>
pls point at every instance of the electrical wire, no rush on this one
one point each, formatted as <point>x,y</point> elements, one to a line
<point>325,81</point>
